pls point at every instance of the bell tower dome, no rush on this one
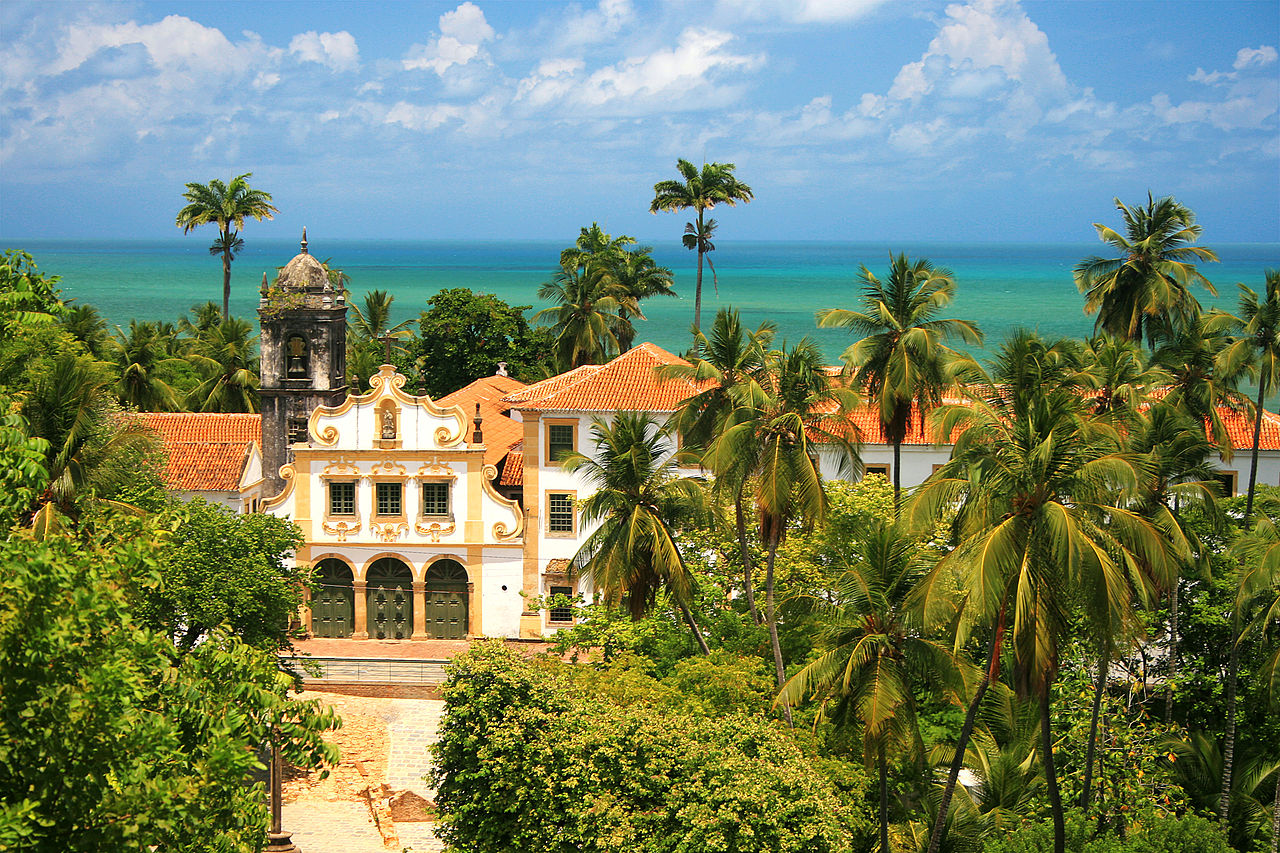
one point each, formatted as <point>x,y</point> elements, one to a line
<point>303,320</point>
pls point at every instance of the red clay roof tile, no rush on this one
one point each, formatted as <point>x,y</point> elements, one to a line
<point>628,383</point>
<point>204,451</point>
<point>500,431</point>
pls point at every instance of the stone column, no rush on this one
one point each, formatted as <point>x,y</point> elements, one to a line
<point>361,614</point>
<point>419,611</point>
<point>306,612</point>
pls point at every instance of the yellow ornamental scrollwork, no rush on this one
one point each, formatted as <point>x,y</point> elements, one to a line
<point>389,531</point>
<point>389,468</point>
<point>287,473</point>
<point>436,470</point>
<point>501,530</point>
<point>435,529</point>
<point>341,465</point>
<point>341,529</point>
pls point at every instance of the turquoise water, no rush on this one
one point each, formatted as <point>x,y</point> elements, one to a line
<point>1001,286</point>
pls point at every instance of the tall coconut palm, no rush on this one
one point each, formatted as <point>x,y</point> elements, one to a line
<point>226,205</point>
<point>637,499</point>
<point>139,357</point>
<point>373,321</point>
<point>1202,379</point>
<point>225,356</point>
<point>901,362</point>
<point>732,365</point>
<point>875,656</point>
<point>771,443</point>
<point>1151,279</point>
<point>1033,480</point>
<point>1117,374</point>
<point>1258,342</point>
<point>700,191</point>
<point>630,270</point>
<point>87,326</point>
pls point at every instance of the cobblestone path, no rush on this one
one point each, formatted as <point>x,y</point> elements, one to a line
<point>341,827</point>
<point>413,725</point>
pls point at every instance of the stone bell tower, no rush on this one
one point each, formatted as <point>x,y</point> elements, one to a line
<point>304,356</point>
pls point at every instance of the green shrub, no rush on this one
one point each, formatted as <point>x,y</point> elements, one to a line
<point>1188,834</point>
<point>528,760</point>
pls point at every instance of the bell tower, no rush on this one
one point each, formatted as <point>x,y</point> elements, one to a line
<point>304,356</point>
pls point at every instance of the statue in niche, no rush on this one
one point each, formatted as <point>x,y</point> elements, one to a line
<point>297,364</point>
<point>388,423</point>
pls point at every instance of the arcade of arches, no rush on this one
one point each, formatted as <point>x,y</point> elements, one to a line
<point>388,604</point>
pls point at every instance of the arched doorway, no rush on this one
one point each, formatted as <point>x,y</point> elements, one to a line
<point>390,599</point>
<point>333,604</point>
<point>446,600</point>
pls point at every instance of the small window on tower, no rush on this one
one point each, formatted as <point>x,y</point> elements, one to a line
<point>296,358</point>
<point>297,430</point>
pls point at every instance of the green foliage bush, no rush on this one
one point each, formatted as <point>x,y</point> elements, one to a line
<point>530,760</point>
<point>1163,834</point>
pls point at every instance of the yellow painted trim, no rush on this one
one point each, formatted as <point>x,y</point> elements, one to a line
<point>532,511</point>
<point>415,571</point>
<point>287,473</point>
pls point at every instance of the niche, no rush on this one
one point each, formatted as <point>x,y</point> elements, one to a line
<point>297,358</point>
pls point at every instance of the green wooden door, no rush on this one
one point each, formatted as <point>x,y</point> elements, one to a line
<point>333,605</point>
<point>389,598</point>
<point>446,593</point>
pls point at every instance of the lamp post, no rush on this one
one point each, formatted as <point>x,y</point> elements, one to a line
<point>278,841</point>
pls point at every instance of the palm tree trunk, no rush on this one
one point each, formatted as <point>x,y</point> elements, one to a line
<point>697,293</point>
<point>226,283</point>
<point>1229,741</point>
<point>747,563</point>
<point>884,799</point>
<point>693,626</point>
<point>1253,464</point>
<point>1104,663</point>
<point>1050,774</point>
<point>780,671</point>
<point>966,731</point>
<point>1173,650</point>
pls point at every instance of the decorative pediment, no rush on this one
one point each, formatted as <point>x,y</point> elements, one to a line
<point>389,531</point>
<point>386,418</point>
<point>434,469</point>
<point>435,529</point>
<point>388,468</point>
<point>341,529</point>
<point>341,466</point>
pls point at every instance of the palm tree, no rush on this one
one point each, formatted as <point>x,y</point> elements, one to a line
<point>732,365</point>
<point>224,355</point>
<point>589,308</point>
<point>875,655</point>
<point>1151,278</point>
<point>1033,479</point>
<point>225,205</point>
<point>139,357</point>
<point>700,191</point>
<point>1202,379</point>
<point>901,361</point>
<point>374,321</point>
<point>1258,327</point>
<point>638,498</point>
<point>769,442</point>
<point>91,450</point>
<point>87,326</point>
<point>1118,375</point>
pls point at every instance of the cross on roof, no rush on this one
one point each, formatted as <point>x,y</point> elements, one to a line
<point>386,341</point>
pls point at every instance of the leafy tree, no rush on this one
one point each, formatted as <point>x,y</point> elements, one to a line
<point>700,191</point>
<point>464,336</point>
<point>21,470</point>
<point>874,658</point>
<point>638,499</point>
<point>1034,481</point>
<point>1258,343</point>
<point>220,568</point>
<point>1147,288</point>
<point>589,309</point>
<point>109,741</point>
<point>1202,380</point>
<point>86,325</point>
<point>901,362</point>
<point>226,205</point>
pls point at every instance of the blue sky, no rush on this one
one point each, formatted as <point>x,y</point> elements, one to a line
<point>990,120</point>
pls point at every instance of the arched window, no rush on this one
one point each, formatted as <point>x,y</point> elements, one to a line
<point>297,358</point>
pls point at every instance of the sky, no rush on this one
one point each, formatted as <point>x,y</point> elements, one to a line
<point>851,120</point>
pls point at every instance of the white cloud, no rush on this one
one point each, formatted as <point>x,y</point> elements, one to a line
<point>462,34</point>
<point>797,11</point>
<point>668,72</point>
<point>992,36</point>
<point>415,117</point>
<point>336,51</point>
<point>602,23</point>
<point>1254,57</point>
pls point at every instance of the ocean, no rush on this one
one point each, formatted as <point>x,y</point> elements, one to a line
<point>1000,286</point>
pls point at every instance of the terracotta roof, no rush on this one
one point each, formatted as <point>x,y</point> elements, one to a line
<point>204,452</point>
<point>500,431</point>
<point>1240,427</point>
<point>513,467</point>
<point>628,383</point>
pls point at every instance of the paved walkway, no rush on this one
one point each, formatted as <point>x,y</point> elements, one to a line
<point>413,725</point>
<point>341,827</point>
